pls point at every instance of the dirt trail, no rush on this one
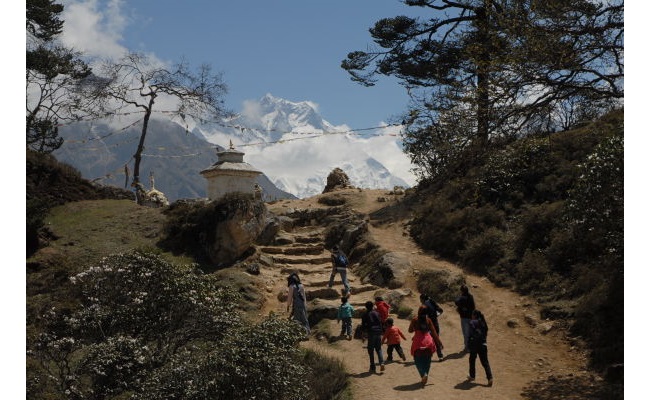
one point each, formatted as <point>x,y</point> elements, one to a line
<point>530,350</point>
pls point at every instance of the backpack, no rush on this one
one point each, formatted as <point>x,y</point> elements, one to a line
<point>476,337</point>
<point>341,260</point>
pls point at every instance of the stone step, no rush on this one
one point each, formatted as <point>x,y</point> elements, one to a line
<point>319,293</point>
<point>309,239</point>
<point>287,259</point>
<point>306,269</point>
<point>293,249</point>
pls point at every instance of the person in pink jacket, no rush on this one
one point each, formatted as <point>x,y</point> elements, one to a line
<point>422,344</point>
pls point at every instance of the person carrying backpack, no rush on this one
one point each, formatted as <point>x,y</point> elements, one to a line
<point>465,305</point>
<point>372,327</point>
<point>297,301</point>
<point>339,264</point>
<point>433,312</point>
<point>477,344</point>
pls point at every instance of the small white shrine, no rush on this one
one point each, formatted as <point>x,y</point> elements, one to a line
<point>230,174</point>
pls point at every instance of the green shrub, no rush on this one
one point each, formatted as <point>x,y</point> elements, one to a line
<point>405,312</point>
<point>445,230</point>
<point>484,250</point>
<point>535,276</point>
<point>440,285</point>
<point>157,330</point>
<point>327,377</point>
<point>510,175</point>
<point>191,227</point>
<point>546,217</point>
<point>332,200</point>
<point>259,361</point>
<point>535,226</point>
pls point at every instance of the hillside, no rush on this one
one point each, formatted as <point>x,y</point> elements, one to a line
<point>520,341</point>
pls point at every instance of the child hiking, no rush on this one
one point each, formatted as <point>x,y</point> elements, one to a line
<point>382,308</point>
<point>391,337</point>
<point>345,315</point>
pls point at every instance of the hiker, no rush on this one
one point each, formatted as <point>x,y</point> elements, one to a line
<point>391,337</point>
<point>372,327</point>
<point>297,301</point>
<point>416,321</point>
<point>422,345</point>
<point>433,312</point>
<point>382,308</point>
<point>339,264</point>
<point>478,346</point>
<point>465,305</point>
<point>345,315</point>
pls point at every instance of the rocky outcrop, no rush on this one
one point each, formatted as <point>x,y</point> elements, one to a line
<point>337,179</point>
<point>390,270</point>
<point>235,236</point>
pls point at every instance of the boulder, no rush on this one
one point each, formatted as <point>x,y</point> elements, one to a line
<point>390,270</point>
<point>337,180</point>
<point>269,232</point>
<point>235,236</point>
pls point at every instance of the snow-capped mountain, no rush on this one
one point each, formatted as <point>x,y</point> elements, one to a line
<point>297,149</point>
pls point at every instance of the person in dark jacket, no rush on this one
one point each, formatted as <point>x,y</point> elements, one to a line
<point>372,327</point>
<point>433,312</point>
<point>478,346</point>
<point>339,267</point>
<point>465,305</point>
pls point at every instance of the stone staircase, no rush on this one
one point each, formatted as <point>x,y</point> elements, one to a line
<point>302,250</point>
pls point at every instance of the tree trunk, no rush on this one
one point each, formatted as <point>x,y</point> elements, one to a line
<point>140,191</point>
<point>483,71</point>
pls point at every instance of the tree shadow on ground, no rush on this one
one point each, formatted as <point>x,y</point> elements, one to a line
<point>571,387</point>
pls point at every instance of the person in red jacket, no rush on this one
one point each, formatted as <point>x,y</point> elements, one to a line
<point>391,337</point>
<point>382,308</point>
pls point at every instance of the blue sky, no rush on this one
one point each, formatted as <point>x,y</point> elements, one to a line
<point>292,48</point>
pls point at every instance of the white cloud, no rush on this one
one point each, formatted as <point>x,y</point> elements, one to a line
<point>94,28</point>
<point>251,109</point>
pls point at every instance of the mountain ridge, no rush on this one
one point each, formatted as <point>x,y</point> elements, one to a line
<point>289,142</point>
<point>280,136</point>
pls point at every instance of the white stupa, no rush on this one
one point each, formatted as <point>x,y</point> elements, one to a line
<point>230,174</point>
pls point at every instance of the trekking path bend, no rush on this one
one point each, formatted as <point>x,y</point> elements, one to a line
<point>521,347</point>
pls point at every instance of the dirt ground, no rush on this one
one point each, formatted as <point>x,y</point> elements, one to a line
<point>521,347</point>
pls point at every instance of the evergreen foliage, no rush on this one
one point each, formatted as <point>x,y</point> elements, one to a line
<point>546,217</point>
<point>483,71</point>
<point>55,77</point>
